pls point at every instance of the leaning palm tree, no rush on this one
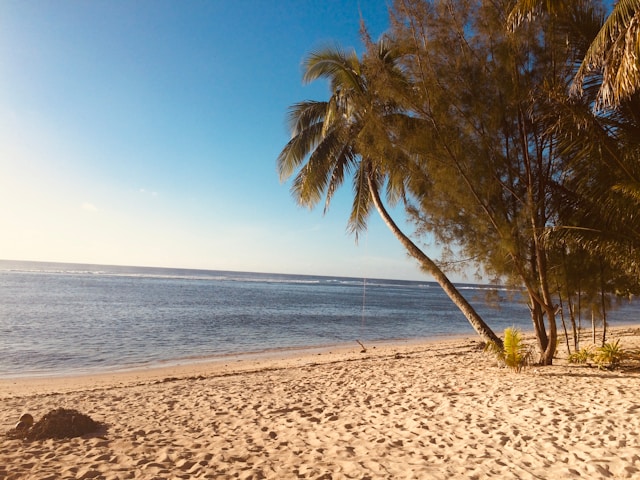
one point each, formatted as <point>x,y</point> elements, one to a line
<point>346,136</point>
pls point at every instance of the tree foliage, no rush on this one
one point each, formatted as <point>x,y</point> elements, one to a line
<point>484,119</point>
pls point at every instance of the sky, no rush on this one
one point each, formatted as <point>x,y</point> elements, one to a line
<point>146,133</point>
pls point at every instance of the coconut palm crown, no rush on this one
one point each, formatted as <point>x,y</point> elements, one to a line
<point>329,138</point>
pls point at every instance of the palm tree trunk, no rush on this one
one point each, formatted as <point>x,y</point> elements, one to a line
<point>429,265</point>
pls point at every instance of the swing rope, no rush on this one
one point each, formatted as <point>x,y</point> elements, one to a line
<point>364,286</point>
<point>364,301</point>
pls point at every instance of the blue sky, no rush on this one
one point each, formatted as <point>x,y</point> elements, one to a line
<point>146,133</point>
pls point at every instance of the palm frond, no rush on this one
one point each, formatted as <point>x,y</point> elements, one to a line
<point>361,205</point>
<point>631,190</point>
<point>302,115</point>
<point>530,9</point>
<point>345,162</point>
<point>296,150</point>
<point>616,52</point>
<point>315,176</point>
<point>341,68</point>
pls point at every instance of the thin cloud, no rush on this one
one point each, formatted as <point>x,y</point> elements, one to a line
<point>144,191</point>
<point>89,207</point>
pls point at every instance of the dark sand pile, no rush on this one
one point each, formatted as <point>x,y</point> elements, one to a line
<point>59,423</point>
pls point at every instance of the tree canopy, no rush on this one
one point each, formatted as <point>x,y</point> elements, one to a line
<point>501,134</point>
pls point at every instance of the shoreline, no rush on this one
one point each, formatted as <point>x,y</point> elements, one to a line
<point>251,362</point>
<point>226,358</point>
<point>231,364</point>
<point>436,410</point>
<point>223,361</point>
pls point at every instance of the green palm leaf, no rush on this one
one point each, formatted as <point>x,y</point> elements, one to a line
<point>616,51</point>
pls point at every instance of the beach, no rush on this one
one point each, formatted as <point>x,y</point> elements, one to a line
<point>432,410</point>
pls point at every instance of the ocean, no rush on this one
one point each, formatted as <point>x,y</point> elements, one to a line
<point>60,319</point>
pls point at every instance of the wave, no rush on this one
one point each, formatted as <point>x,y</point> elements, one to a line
<point>52,268</point>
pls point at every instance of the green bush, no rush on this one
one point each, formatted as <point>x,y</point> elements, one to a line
<point>585,355</point>
<point>515,354</point>
<point>610,355</point>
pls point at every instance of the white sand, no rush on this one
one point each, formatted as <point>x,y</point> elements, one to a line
<point>432,411</point>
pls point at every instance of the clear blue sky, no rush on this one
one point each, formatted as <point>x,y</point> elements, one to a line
<point>146,133</point>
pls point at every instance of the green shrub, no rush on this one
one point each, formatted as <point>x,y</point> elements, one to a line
<point>610,355</point>
<point>515,354</point>
<point>585,355</point>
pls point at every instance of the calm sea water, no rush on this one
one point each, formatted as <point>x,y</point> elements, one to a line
<point>66,318</point>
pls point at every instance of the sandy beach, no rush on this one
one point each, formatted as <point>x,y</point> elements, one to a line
<point>436,410</point>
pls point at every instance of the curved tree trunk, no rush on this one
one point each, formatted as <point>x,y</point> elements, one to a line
<point>537,318</point>
<point>430,266</point>
<point>547,355</point>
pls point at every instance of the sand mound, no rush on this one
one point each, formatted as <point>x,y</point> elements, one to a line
<point>59,423</point>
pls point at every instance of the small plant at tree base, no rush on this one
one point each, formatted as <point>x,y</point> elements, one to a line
<point>581,357</point>
<point>610,355</point>
<point>515,354</point>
